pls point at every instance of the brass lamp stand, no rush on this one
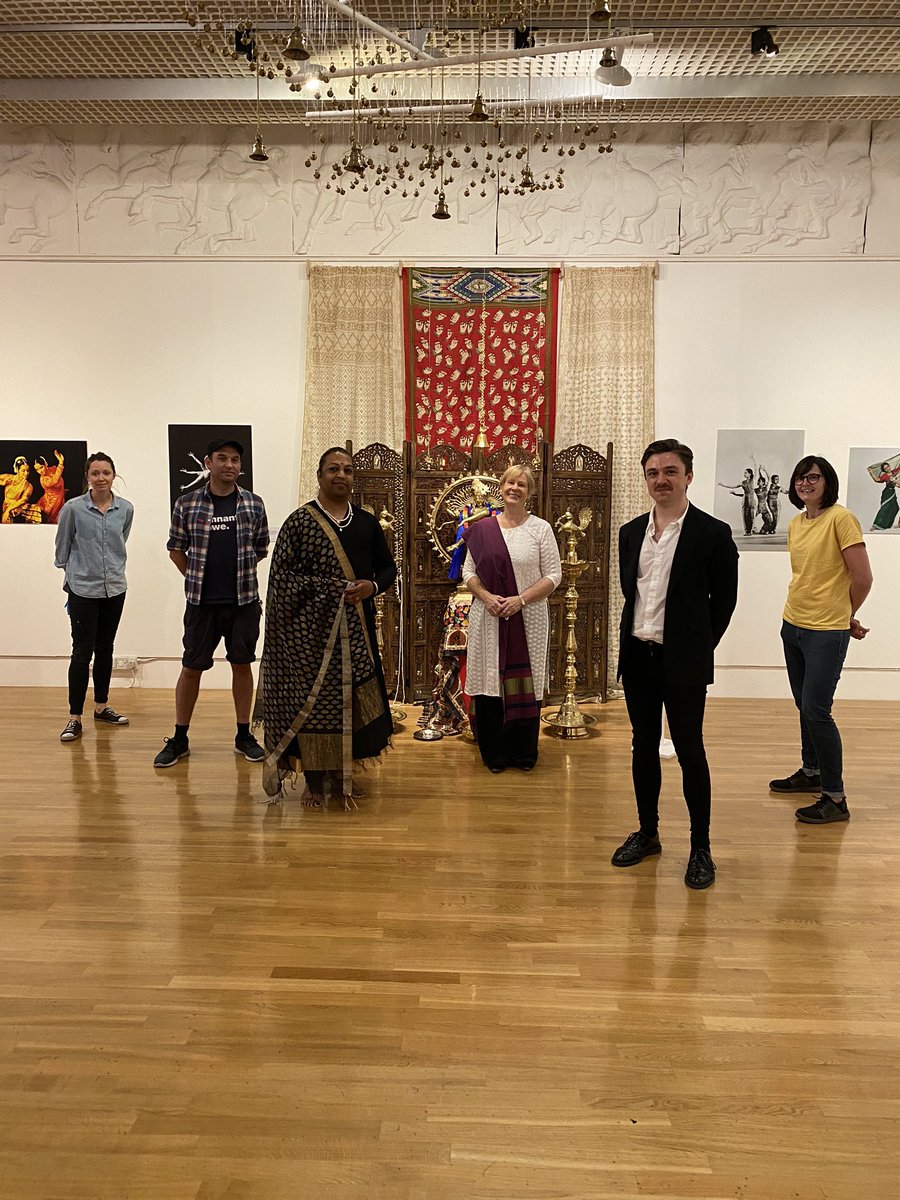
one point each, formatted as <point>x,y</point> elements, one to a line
<point>569,721</point>
<point>386,521</point>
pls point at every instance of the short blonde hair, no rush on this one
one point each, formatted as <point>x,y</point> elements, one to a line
<point>520,469</point>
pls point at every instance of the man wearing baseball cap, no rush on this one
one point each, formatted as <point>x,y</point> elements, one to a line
<point>218,535</point>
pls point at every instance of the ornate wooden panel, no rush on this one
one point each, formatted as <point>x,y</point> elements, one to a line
<point>580,477</point>
<point>379,484</point>
<point>429,585</point>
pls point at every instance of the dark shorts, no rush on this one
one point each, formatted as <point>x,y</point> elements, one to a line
<point>206,624</point>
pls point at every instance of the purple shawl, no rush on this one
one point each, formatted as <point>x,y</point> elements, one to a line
<point>494,568</point>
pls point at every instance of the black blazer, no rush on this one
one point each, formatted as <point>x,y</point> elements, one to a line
<point>700,599</point>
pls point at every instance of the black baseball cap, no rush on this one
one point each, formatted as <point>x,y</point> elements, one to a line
<point>218,443</point>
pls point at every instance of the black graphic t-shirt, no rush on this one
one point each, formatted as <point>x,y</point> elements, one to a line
<point>220,574</point>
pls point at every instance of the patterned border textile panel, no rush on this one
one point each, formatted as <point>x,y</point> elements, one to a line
<point>450,314</point>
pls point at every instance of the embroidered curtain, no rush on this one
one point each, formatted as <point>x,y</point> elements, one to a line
<point>354,363</point>
<point>606,389</point>
<point>480,347</point>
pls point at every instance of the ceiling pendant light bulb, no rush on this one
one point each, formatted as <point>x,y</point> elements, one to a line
<point>479,112</point>
<point>762,42</point>
<point>258,153</point>
<point>601,12</point>
<point>441,211</point>
<point>297,49</point>
<point>312,77</point>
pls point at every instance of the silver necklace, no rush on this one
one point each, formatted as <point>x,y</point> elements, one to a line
<point>344,521</point>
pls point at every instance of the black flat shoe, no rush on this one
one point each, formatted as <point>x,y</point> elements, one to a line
<point>701,870</point>
<point>636,847</point>
<point>496,770</point>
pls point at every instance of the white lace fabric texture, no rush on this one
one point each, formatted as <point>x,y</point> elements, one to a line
<point>354,363</point>
<point>605,389</point>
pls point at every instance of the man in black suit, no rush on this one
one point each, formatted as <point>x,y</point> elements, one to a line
<point>678,568</point>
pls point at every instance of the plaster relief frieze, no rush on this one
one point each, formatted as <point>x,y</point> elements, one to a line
<point>612,204</point>
<point>37,208</point>
<point>801,189</point>
<point>775,189</point>
<point>883,224</point>
<point>196,195</point>
<point>371,219</point>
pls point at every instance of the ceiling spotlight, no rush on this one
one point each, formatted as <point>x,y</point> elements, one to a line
<point>311,77</point>
<point>762,42</point>
<point>601,12</point>
<point>297,48</point>
<point>611,72</point>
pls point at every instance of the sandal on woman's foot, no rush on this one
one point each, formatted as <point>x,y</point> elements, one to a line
<point>312,799</point>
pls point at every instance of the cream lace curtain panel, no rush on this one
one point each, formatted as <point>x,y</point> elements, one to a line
<point>354,363</point>
<point>605,389</point>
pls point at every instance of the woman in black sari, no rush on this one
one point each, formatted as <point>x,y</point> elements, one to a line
<point>324,701</point>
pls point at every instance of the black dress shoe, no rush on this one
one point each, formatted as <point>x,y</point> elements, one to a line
<point>636,847</point>
<point>701,870</point>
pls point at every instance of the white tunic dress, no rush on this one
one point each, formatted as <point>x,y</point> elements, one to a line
<point>534,554</point>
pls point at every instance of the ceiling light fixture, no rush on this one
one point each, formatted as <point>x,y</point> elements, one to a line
<point>762,42</point>
<point>611,72</point>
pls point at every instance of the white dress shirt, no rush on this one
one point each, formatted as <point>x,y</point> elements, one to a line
<point>654,570</point>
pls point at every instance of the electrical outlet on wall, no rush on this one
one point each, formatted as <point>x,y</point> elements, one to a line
<point>124,663</point>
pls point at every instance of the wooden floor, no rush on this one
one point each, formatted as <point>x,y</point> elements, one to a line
<point>449,994</point>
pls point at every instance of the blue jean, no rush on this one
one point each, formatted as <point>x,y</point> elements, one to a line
<point>814,658</point>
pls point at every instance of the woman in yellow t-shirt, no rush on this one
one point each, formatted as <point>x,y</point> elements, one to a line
<point>830,578</point>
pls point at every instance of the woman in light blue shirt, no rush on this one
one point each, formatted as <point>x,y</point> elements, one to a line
<point>90,547</point>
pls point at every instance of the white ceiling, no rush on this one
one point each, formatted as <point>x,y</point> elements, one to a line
<point>138,63</point>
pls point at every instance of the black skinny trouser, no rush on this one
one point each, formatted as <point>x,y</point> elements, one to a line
<point>646,691</point>
<point>94,625</point>
<point>512,745</point>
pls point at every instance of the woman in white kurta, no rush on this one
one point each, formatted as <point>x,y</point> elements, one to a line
<point>535,562</point>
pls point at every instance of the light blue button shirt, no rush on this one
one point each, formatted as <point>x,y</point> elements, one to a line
<point>90,546</point>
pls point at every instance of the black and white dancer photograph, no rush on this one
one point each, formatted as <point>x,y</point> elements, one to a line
<point>752,476</point>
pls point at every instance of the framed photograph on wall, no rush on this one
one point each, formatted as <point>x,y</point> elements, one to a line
<point>187,450</point>
<point>38,475</point>
<point>753,470</point>
<point>873,487</point>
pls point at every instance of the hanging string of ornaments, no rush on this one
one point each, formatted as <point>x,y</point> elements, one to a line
<point>521,153</point>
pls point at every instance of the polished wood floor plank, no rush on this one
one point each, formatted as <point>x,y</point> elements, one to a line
<point>449,994</point>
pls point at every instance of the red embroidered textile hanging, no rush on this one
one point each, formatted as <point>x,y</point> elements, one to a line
<point>480,354</point>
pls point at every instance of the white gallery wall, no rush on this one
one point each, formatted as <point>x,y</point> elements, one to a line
<point>110,330</point>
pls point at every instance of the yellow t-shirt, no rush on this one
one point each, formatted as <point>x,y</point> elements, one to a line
<point>819,592</point>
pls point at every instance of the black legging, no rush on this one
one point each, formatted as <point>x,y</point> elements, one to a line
<point>512,745</point>
<point>94,625</point>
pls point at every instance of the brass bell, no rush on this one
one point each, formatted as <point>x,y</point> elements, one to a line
<point>481,442</point>
<point>601,12</point>
<point>258,153</point>
<point>296,49</point>
<point>441,211</point>
<point>355,162</point>
<point>479,112</point>
<point>527,180</point>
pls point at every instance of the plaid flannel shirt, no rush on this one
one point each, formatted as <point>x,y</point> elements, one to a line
<point>189,532</point>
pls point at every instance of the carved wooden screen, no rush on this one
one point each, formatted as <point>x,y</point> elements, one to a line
<point>579,477</point>
<point>379,484</point>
